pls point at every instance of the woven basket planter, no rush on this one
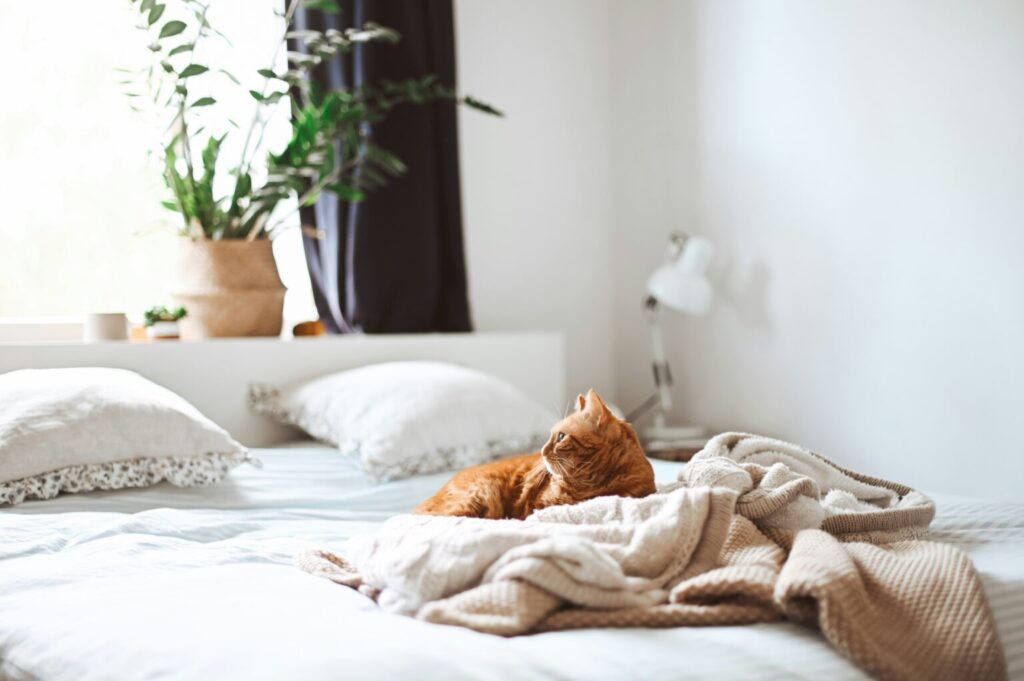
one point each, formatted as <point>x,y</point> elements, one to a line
<point>229,288</point>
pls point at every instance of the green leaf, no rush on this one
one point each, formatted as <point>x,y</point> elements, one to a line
<point>172,28</point>
<point>181,48</point>
<point>160,313</point>
<point>156,13</point>
<point>170,205</point>
<point>243,190</point>
<point>186,202</point>
<point>210,154</point>
<point>328,6</point>
<point>347,192</point>
<point>258,96</point>
<point>204,101</point>
<point>302,60</point>
<point>209,214</point>
<point>146,5</point>
<point>193,70</point>
<point>372,31</point>
<point>385,160</point>
<point>483,107</point>
<point>302,34</point>
<point>220,35</point>
<point>267,73</point>
<point>371,178</point>
<point>230,76</point>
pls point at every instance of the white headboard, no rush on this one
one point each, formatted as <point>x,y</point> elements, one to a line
<point>215,375</point>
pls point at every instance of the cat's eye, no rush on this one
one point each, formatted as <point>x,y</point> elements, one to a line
<point>559,437</point>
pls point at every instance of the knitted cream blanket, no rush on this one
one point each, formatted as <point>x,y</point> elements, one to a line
<point>755,530</point>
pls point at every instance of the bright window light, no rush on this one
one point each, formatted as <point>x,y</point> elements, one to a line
<point>83,229</point>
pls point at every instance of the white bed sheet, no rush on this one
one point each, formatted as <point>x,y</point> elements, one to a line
<point>168,583</point>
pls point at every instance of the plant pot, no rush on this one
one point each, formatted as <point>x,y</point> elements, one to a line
<point>163,331</point>
<point>228,288</point>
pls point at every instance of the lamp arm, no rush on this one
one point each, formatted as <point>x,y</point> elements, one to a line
<point>644,407</point>
<point>660,367</point>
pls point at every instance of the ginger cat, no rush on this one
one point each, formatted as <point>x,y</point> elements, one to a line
<point>591,453</point>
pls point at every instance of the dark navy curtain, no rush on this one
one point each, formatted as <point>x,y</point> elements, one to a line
<point>394,263</point>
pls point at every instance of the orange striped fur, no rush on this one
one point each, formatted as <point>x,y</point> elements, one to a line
<point>591,453</point>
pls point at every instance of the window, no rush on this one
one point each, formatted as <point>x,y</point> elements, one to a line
<point>83,229</point>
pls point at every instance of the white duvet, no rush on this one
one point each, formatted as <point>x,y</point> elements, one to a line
<point>168,583</point>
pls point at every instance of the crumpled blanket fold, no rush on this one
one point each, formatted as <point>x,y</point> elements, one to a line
<point>754,530</point>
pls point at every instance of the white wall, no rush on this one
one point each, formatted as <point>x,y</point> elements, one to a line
<point>653,173</point>
<point>536,183</point>
<point>861,167</point>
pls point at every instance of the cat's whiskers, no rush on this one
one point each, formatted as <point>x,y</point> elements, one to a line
<point>556,467</point>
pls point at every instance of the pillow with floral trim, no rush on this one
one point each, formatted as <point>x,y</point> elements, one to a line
<point>80,429</point>
<point>408,418</point>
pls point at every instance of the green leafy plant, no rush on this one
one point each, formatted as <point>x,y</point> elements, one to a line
<point>331,148</point>
<point>160,313</point>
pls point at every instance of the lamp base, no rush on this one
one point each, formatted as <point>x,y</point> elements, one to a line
<point>673,434</point>
<point>673,444</point>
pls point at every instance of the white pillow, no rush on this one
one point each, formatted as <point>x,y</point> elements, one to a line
<point>74,430</point>
<point>406,418</point>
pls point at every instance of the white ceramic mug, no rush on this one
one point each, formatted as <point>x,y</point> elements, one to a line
<point>105,326</point>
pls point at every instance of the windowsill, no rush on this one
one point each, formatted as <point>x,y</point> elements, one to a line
<point>41,330</point>
<point>70,331</point>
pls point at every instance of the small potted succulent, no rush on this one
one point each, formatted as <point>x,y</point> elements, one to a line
<point>162,323</point>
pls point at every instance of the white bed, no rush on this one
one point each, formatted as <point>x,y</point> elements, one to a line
<point>198,583</point>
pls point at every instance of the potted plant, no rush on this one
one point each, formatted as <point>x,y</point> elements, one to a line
<point>225,274</point>
<point>162,323</point>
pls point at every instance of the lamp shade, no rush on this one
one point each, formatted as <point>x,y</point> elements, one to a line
<point>682,284</point>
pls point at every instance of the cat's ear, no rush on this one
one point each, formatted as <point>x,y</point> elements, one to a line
<point>581,402</point>
<point>596,406</point>
<point>594,401</point>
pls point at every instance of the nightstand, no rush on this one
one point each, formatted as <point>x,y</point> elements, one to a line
<point>674,450</point>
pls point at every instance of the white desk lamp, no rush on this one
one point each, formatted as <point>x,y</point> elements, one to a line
<point>680,284</point>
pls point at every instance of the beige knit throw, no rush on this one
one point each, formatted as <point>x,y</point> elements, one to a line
<point>755,530</point>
